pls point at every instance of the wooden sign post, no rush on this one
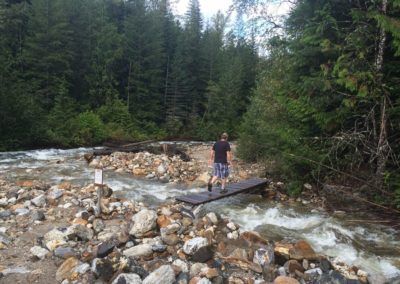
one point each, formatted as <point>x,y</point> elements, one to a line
<point>98,183</point>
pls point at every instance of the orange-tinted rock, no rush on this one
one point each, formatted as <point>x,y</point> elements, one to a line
<point>253,238</point>
<point>194,280</point>
<point>282,249</point>
<point>285,280</point>
<point>302,250</point>
<point>163,221</point>
<point>211,273</point>
<point>25,183</point>
<point>139,172</point>
<point>80,221</point>
<point>64,185</point>
<point>66,270</point>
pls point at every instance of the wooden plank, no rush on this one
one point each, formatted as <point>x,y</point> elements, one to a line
<point>232,189</point>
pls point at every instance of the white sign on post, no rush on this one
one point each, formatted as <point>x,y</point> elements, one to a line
<point>98,176</point>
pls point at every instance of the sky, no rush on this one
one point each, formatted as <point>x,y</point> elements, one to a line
<point>211,7</point>
<point>208,7</point>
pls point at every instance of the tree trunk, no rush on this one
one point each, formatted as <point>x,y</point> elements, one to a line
<point>382,144</point>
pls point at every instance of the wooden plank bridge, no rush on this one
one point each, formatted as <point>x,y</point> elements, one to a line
<point>232,189</point>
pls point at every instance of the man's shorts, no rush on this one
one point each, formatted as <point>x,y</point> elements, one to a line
<point>221,170</point>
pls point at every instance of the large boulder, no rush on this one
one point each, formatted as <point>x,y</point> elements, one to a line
<point>163,275</point>
<point>193,245</point>
<point>144,221</point>
<point>302,250</point>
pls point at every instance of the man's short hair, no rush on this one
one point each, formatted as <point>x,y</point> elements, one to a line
<point>224,135</point>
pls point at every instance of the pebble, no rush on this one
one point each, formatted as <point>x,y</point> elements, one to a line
<point>64,252</point>
<point>192,245</point>
<point>128,278</point>
<point>22,211</point>
<point>163,275</point>
<point>39,252</point>
<point>231,226</point>
<point>39,201</point>
<point>38,215</point>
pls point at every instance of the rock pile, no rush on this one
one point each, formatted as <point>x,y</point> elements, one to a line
<point>136,244</point>
<point>170,168</point>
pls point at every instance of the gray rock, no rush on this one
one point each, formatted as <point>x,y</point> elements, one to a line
<point>12,200</point>
<point>313,273</point>
<point>98,225</point>
<point>80,232</point>
<point>191,246</point>
<point>170,240</point>
<point>163,275</point>
<point>105,249</point>
<point>158,248</point>
<point>325,265</point>
<point>150,176</point>
<point>55,194</point>
<point>204,280</point>
<point>39,252</point>
<point>54,235</point>
<point>182,265</point>
<point>144,221</point>
<point>22,211</point>
<point>5,214</point>
<point>334,277</point>
<point>213,217</point>
<point>170,229</point>
<point>203,254</point>
<point>38,215</point>
<point>4,239</point>
<point>183,278</point>
<point>264,256</point>
<point>136,269</point>
<point>126,278</point>
<point>64,252</point>
<point>82,268</point>
<point>196,268</point>
<point>3,202</point>
<point>161,169</point>
<point>39,201</point>
<point>102,268</point>
<point>139,251</point>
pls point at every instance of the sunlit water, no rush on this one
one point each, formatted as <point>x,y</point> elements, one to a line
<point>372,247</point>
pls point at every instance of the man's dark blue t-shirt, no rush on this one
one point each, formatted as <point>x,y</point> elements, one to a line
<point>221,148</point>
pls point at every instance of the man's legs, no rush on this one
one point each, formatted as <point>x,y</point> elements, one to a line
<point>211,182</point>
<point>223,185</point>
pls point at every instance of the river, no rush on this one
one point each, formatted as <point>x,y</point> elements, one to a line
<point>374,248</point>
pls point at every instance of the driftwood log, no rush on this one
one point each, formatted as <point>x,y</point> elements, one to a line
<point>149,146</point>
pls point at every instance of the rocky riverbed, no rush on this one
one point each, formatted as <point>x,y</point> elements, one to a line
<point>50,233</point>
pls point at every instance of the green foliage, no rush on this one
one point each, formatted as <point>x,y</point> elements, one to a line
<point>131,64</point>
<point>88,129</point>
<point>317,103</point>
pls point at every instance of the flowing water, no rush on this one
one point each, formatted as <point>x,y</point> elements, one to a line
<point>374,248</point>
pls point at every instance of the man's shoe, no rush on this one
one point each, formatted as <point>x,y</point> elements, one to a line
<point>224,190</point>
<point>209,187</point>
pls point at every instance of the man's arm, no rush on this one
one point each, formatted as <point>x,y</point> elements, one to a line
<point>229,156</point>
<point>212,155</point>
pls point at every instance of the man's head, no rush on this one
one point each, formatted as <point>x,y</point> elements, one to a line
<point>224,136</point>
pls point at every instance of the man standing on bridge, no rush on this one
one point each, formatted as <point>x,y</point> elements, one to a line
<point>222,157</point>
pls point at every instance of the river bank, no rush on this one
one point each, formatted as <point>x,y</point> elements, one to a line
<point>51,231</point>
<point>220,233</point>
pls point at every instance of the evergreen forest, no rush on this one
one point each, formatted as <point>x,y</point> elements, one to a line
<point>318,98</point>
